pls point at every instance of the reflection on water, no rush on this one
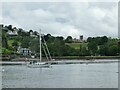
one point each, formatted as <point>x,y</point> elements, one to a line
<point>62,76</point>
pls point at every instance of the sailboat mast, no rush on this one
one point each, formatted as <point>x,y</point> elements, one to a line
<point>40,44</point>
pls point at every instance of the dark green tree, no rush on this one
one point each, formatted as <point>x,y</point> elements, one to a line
<point>89,39</point>
<point>104,40</point>
<point>25,42</point>
<point>113,50</point>
<point>68,39</point>
<point>15,45</point>
<point>103,50</point>
<point>92,47</point>
<point>34,45</point>
<point>4,40</point>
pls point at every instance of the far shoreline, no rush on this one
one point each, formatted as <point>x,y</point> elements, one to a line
<point>87,57</point>
<point>68,58</point>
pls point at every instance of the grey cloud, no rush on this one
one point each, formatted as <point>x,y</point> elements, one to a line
<point>89,19</point>
<point>62,20</point>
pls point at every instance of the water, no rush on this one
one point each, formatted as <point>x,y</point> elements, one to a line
<point>103,75</point>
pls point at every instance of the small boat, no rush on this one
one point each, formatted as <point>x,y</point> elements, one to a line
<point>40,64</point>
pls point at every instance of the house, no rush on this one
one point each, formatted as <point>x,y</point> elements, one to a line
<point>32,34</point>
<point>81,38</point>
<point>12,33</point>
<point>24,51</point>
<point>75,40</point>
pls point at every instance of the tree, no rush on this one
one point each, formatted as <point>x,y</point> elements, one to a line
<point>34,45</point>
<point>68,39</point>
<point>15,45</point>
<point>20,30</point>
<point>35,33</point>
<point>92,47</point>
<point>104,40</point>
<point>113,50</point>
<point>30,32</point>
<point>119,47</point>
<point>4,40</point>
<point>84,51</point>
<point>103,50</point>
<point>89,39</point>
<point>10,27</point>
<point>50,39</point>
<point>25,42</point>
<point>46,37</point>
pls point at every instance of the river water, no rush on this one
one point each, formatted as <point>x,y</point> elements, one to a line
<point>99,75</point>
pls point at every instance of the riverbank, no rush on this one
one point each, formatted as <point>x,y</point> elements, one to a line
<point>64,62</point>
<point>67,58</point>
<point>88,57</point>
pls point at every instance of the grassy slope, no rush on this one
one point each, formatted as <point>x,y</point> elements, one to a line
<point>10,42</point>
<point>76,45</point>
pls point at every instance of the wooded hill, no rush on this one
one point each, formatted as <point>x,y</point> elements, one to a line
<point>14,38</point>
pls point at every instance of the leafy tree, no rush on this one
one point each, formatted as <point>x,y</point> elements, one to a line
<point>50,39</point>
<point>119,47</point>
<point>30,30</point>
<point>103,50</point>
<point>15,45</point>
<point>10,27</point>
<point>68,39</point>
<point>113,50</point>
<point>25,42</point>
<point>104,39</point>
<point>92,47</point>
<point>84,51</point>
<point>46,37</point>
<point>4,40</point>
<point>89,39</point>
<point>34,45</point>
<point>20,31</point>
<point>35,33</point>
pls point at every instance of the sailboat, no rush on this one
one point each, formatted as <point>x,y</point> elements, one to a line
<point>40,64</point>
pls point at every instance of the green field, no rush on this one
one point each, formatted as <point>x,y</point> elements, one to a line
<point>10,42</point>
<point>76,45</point>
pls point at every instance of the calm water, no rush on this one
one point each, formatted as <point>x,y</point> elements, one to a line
<point>103,75</point>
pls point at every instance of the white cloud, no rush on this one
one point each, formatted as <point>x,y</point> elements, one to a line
<point>89,19</point>
<point>98,13</point>
<point>0,12</point>
<point>71,31</point>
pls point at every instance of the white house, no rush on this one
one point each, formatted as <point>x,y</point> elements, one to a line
<point>24,51</point>
<point>12,33</point>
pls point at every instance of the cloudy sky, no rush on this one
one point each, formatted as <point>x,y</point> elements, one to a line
<point>64,18</point>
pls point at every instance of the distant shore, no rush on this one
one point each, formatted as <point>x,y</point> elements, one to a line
<point>88,57</point>
<point>64,61</point>
<point>68,58</point>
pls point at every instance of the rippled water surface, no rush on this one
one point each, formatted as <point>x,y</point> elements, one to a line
<point>103,75</point>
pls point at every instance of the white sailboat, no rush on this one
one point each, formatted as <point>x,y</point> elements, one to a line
<point>40,64</point>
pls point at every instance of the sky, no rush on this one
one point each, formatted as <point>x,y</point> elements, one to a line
<point>63,18</point>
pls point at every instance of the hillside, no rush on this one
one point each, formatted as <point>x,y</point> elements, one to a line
<point>14,38</point>
<point>76,45</point>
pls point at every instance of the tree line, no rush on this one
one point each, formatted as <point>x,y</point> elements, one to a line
<point>93,46</point>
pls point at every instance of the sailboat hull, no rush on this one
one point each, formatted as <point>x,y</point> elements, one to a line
<point>38,65</point>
